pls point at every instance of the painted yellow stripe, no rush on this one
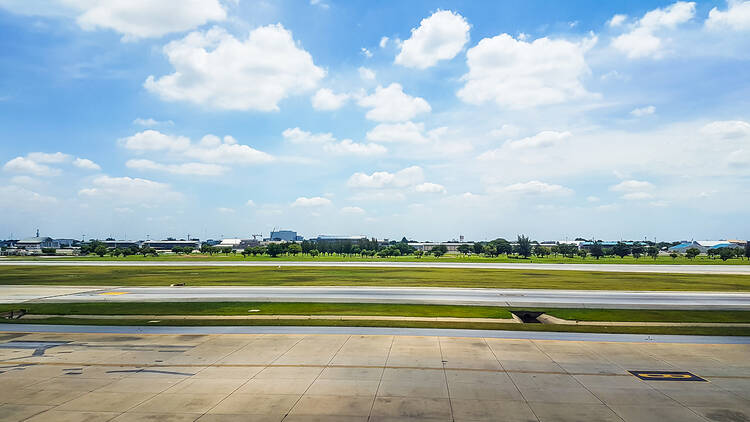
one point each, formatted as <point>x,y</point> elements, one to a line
<point>113,293</point>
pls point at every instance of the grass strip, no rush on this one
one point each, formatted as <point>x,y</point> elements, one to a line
<point>714,331</point>
<point>398,277</point>
<point>264,308</point>
<point>649,315</point>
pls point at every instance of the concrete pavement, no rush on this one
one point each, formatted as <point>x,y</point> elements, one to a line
<point>295,377</point>
<point>632,268</point>
<point>421,295</point>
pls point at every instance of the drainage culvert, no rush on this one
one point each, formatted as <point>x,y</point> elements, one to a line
<point>527,317</point>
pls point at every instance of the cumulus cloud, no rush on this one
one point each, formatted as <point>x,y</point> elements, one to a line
<point>643,111</point>
<point>643,39</point>
<point>727,129</point>
<point>352,210</point>
<point>542,139</point>
<point>210,149</point>
<point>316,201</point>
<point>22,198</point>
<point>616,21</point>
<point>631,186</point>
<point>47,158</point>
<point>533,187</point>
<point>505,131</point>
<point>637,196</point>
<point>149,122</point>
<point>366,74</point>
<point>192,169</point>
<point>736,17</point>
<point>349,147</point>
<point>86,164</point>
<point>130,190</point>
<point>299,136</point>
<point>325,99</point>
<point>250,203</point>
<point>407,132</point>
<point>428,187</point>
<point>391,104</point>
<point>382,179</point>
<point>519,74</point>
<point>383,42</point>
<point>439,37</point>
<point>215,69</point>
<point>27,165</point>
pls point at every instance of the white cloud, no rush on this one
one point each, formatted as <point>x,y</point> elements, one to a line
<point>542,139</point>
<point>192,169</point>
<point>153,140</point>
<point>728,129</point>
<point>736,17</point>
<point>325,99</point>
<point>439,37</point>
<point>407,132</point>
<point>365,52</point>
<point>211,149</point>
<point>151,122</point>
<point>217,70</point>
<point>617,20</point>
<point>366,73</point>
<point>250,203</point>
<point>130,190</point>
<point>592,198</point>
<point>383,42</point>
<point>47,158</point>
<point>739,159</point>
<point>316,201</point>
<point>505,131</point>
<point>382,179</point>
<point>631,186</point>
<point>225,210</point>
<point>518,74</point>
<point>15,197</point>
<point>146,18</point>
<point>352,210</point>
<point>349,147</point>
<point>637,196</point>
<point>533,187</point>
<point>320,4</point>
<point>643,40</point>
<point>86,164</point>
<point>299,136</point>
<point>27,165</point>
<point>391,104</point>
<point>643,111</point>
<point>428,187</point>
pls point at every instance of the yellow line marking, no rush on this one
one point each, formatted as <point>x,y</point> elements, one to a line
<point>113,293</point>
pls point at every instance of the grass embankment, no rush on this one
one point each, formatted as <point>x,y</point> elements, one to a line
<point>449,258</point>
<point>683,330</point>
<point>399,277</point>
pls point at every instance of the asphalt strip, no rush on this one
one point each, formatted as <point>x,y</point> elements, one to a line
<point>434,332</point>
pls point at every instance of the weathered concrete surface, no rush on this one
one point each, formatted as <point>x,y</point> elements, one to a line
<point>300,377</point>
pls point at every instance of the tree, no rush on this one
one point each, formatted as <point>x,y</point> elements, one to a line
<point>314,252</point>
<point>555,250</point>
<point>247,251</point>
<point>439,250</point>
<point>274,249</point>
<point>524,246</point>
<point>49,251</point>
<point>101,250</point>
<point>294,249</point>
<point>747,250</point>
<point>636,250</point>
<point>490,249</point>
<point>418,254</point>
<point>541,251</point>
<point>652,251</point>
<point>674,255</point>
<point>726,253</point>
<point>479,248</point>
<point>692,253</point>
<point>596,250</point>
<point>620,249</point>
<point>464,249</point>
<point>504,247</point>
<point>582,253</point>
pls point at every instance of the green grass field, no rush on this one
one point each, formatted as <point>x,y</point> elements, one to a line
<point>367,309</point>
<point>404,277</point>
<point>663,260</point>
<point>686,330</point>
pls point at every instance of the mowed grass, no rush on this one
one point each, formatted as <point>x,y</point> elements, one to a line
<point>400,277</point>
<point>367,309</point>
<point>449,258</point>
<point>264,308</point>
<point>684,330</point>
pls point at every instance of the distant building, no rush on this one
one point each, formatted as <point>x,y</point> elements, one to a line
<point>428,246</point>
<point>285,236</point>
<point>37,243</point>
<point>238,244</point>
<point>167,245</point>
<point>335,238</point>
<point>68,243</point>
<point>607,244</point>
<point>704,245</point>
<point>122,244</point>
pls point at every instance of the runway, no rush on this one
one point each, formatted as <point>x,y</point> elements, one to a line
<point>417,295</point>
<point>631,268</point>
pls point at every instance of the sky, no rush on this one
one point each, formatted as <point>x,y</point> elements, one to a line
<point>426,119</point>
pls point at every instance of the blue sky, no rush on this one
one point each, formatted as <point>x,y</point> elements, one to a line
<point>424,119</point>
